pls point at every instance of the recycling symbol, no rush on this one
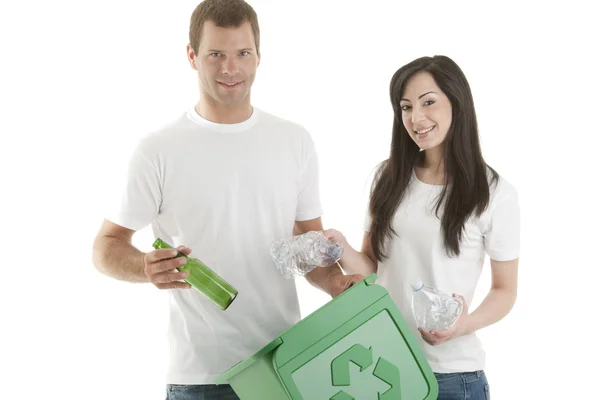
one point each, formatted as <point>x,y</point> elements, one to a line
<point>363,357</point>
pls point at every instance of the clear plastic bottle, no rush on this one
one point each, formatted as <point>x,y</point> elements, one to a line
<point>432,309</point>
<point>298,255</point>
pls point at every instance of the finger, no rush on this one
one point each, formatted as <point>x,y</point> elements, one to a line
<point>173,285</point>
<point>329,233</point>
<point>459,298</point>
<point>169,277</point>
<point>439,334</point>
<point>160,254</point>
<point>164,266</point>
<point>185,250</point>
<point>429,335</point>
<point>426,337</point>
<point>354,279</point>
<point>462,300</point>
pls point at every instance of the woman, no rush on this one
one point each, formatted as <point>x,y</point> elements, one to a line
<point>436,209</point>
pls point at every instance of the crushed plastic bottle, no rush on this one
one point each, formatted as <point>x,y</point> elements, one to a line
<point>432,309</point>
<point>301,254</point>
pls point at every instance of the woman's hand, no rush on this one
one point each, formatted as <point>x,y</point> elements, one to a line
<point>354,262</point>
<point>336,236</point>
<point>435,337</point>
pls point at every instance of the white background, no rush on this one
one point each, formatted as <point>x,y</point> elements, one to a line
<point>80,82</point>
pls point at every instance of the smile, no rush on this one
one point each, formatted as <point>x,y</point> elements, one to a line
<point>229,85</point>
<point>424,131</point>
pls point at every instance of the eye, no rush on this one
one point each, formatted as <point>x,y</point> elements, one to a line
<point>245,53</point>
<point>215,54</point>
<point>428,102</point>
<point>405,107</point>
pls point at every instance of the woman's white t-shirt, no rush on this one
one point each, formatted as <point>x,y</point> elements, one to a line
<point>418,252</point>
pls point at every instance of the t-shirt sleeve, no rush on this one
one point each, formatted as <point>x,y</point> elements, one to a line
<point>138,195</point>
<point>309,199</point>
<point>502,237</point>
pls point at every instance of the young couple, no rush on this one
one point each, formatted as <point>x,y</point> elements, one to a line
<point>226,179</point>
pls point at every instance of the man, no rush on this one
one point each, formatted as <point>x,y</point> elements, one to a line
<point>225,179</point>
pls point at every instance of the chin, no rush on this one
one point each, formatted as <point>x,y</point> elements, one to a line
<point>427,146</point>
<point>228,99</point>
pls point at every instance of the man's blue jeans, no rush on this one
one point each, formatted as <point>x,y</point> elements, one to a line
<point>201,392</point>
<point>454,386</point>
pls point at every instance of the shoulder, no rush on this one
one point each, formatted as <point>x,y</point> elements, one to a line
<point>500,188</point>
<point>165,137</point>
<point>503,204</point>
<point>503,197</point>
<point>281,125</point>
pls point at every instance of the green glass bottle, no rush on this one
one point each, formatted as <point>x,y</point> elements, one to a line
<point>204,279</point>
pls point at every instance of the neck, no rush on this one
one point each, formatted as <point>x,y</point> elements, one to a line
<point>224,113</point>
<point>432,170</point>
<point>434,159</point>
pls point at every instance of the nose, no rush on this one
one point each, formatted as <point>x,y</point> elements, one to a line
<point>417,115</point>
<point>229,66</point>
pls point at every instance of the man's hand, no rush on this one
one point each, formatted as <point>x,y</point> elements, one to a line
<point>338,283</point>
<point>161,268</point>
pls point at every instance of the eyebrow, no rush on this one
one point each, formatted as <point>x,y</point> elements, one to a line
<point>221,51</point>
<point>421,96</point>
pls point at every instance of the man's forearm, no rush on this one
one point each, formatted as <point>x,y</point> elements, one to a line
<point>119,259</point>
<point>320,277</point>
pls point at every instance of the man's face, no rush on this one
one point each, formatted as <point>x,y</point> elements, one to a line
<point>226,62</point>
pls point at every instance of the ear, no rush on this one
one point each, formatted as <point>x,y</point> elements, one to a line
<point>258,56</point>
<point>191,56</point>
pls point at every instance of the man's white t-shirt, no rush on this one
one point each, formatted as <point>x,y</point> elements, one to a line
<point>227,191</point>
<point>418,252</point>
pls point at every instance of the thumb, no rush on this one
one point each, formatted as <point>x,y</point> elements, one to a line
<point>328,233</point>
<point>461,299</point>
<point>353,280</point>
<point>185,250</point>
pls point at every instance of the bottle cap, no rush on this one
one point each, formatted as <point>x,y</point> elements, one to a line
<point>416,285</point>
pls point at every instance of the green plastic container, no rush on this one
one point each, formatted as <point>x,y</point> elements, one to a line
<point>355,347</point>
<point>203,279</point>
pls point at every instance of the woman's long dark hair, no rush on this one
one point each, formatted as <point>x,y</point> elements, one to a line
<point>467,188</point>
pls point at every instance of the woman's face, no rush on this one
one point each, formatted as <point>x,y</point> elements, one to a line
<point>426,111</point>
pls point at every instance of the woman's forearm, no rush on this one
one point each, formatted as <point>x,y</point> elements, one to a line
<point>356,262</point>
<point>496,305</point>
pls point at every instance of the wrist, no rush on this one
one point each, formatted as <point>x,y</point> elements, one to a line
<point>331,280</point>
<point>467,327</point>
<point>143,275</point>
<point>348,253</point>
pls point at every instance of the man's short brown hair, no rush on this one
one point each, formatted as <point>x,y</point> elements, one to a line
<point>224,13</point>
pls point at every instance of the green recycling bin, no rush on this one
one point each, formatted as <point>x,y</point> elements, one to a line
<point>356,347</point>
